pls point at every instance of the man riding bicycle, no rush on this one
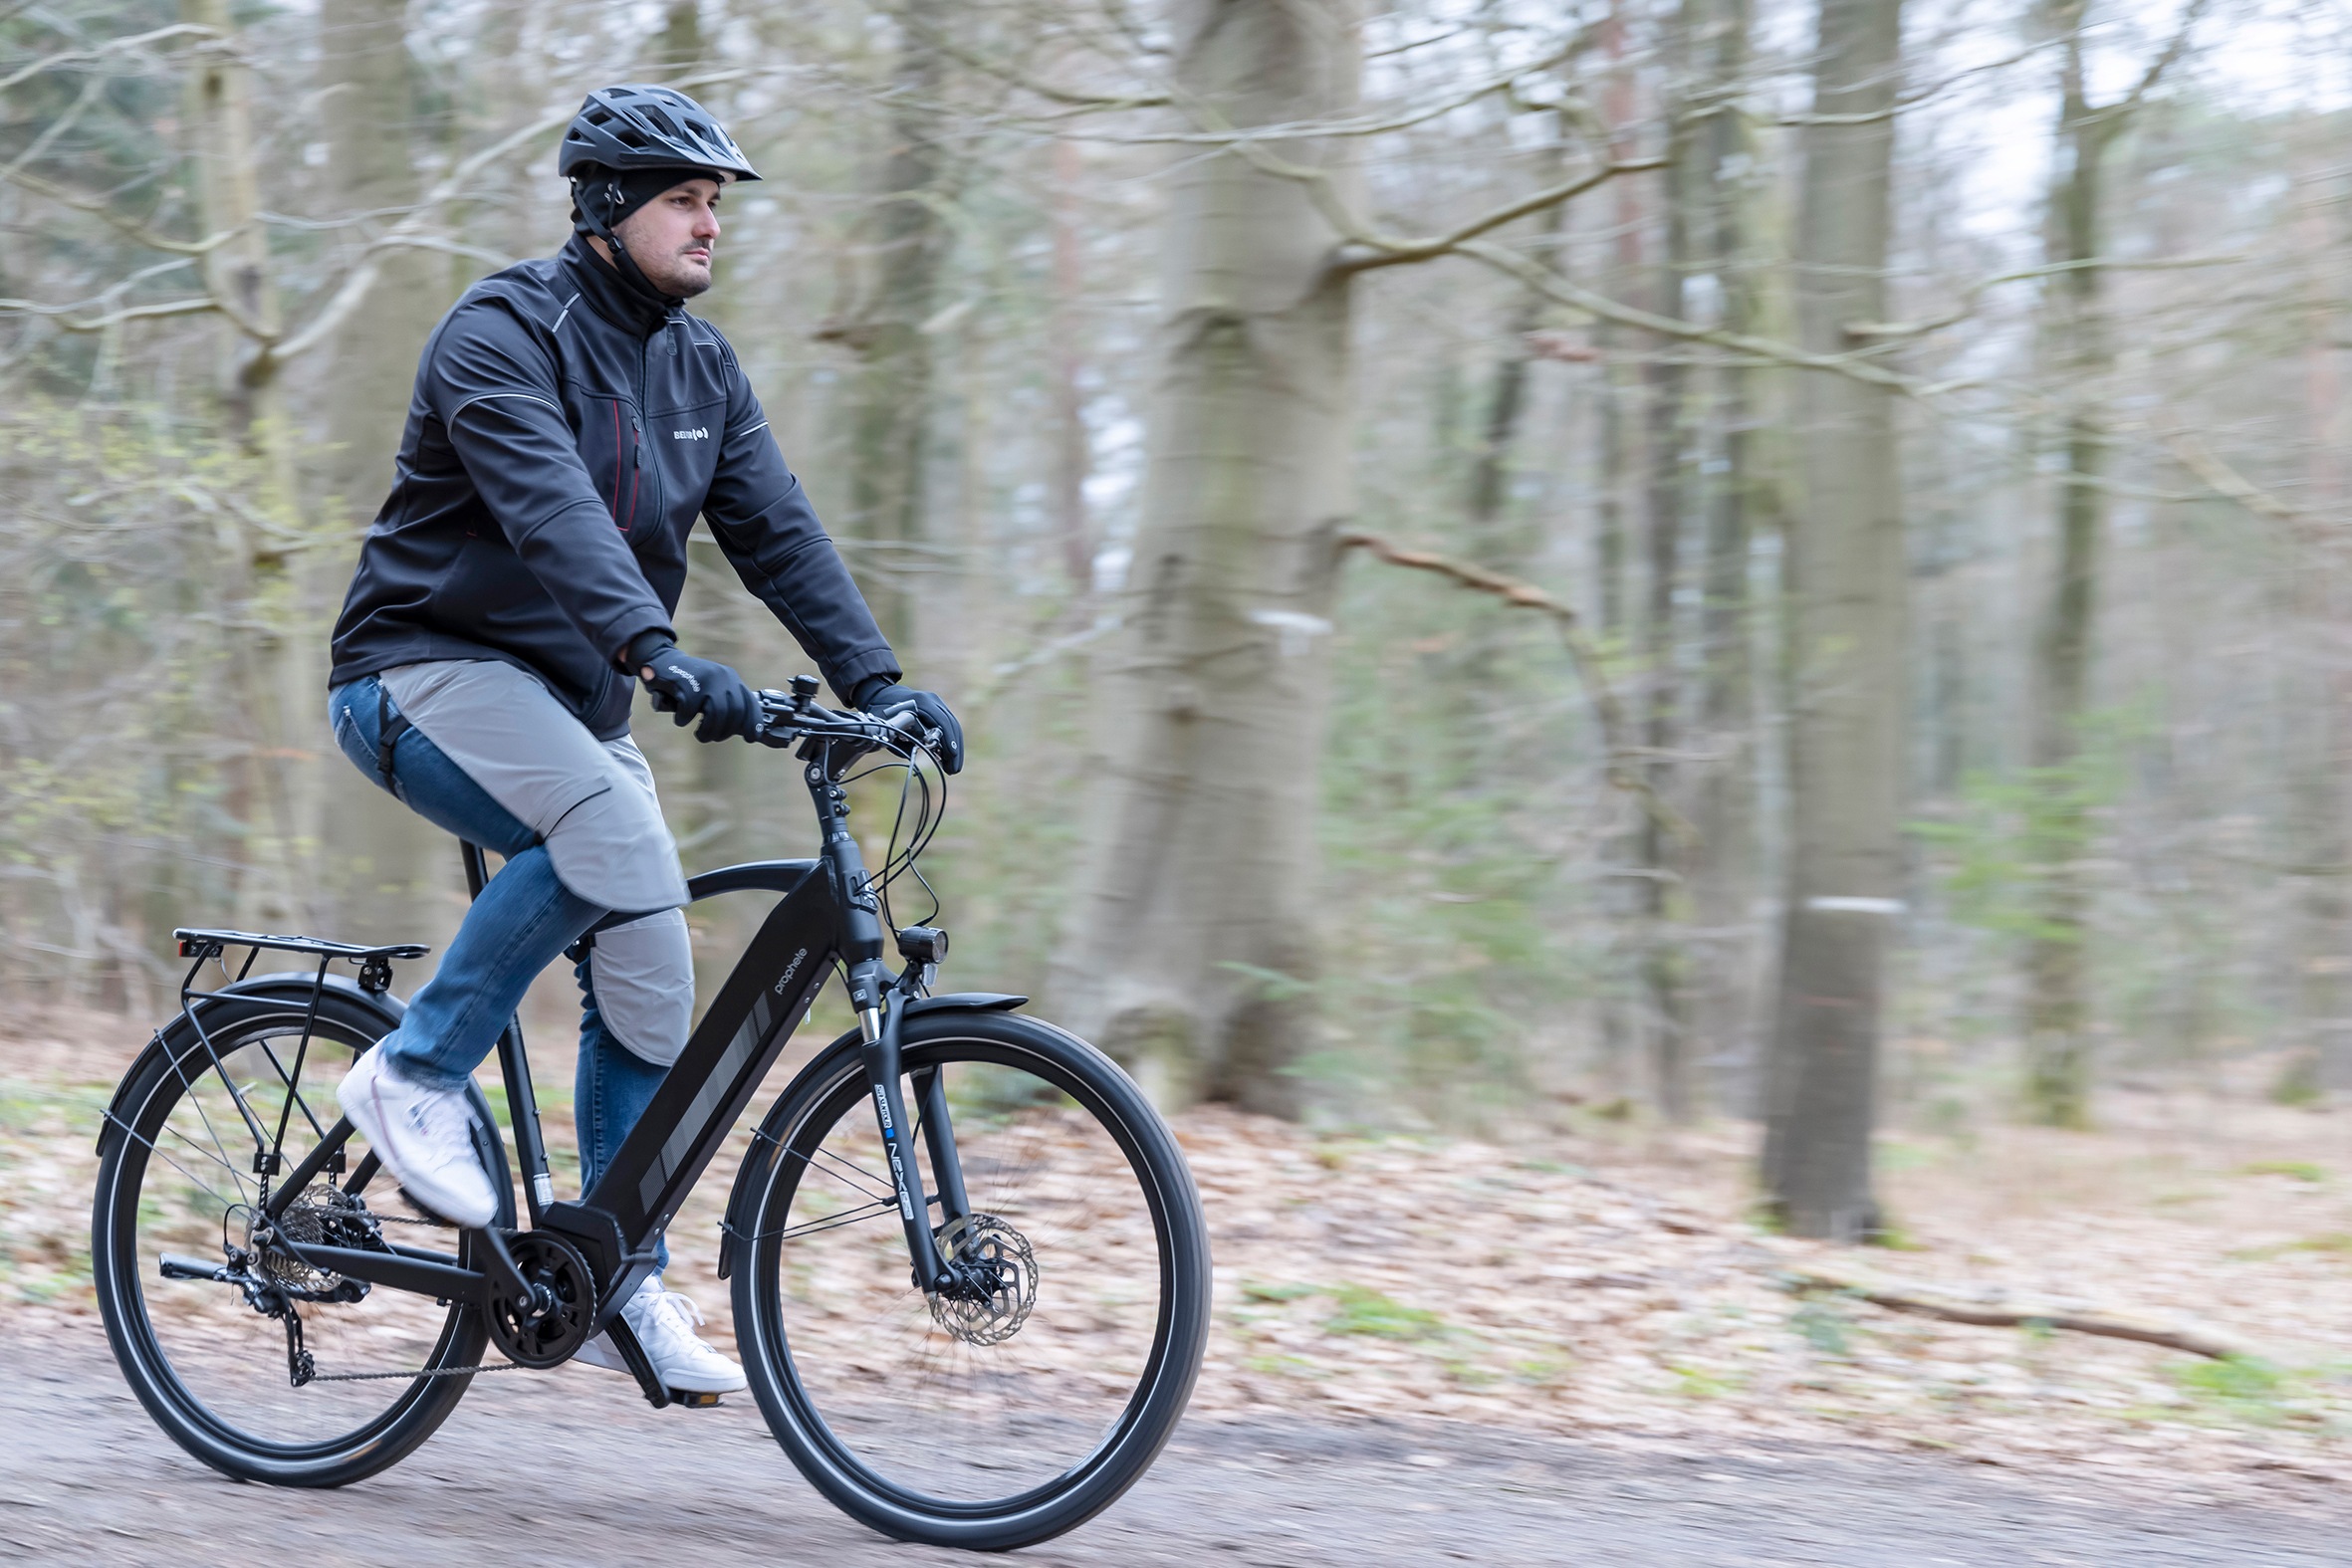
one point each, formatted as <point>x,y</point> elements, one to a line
<point>568,425</point>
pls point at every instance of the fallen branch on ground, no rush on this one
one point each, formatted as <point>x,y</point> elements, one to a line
<point>1953,1307</point>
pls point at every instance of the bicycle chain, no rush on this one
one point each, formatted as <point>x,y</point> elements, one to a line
<point>430,1372</point>
<point>422,1372</point>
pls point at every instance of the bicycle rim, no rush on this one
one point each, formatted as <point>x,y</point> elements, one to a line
<point>909,1414</point>
<point>183,1180</point>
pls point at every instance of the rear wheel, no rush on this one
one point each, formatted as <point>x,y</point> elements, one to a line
<point>984,1423</point>
<point>180,1179</point>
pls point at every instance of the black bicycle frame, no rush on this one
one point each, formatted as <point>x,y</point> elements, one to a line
<point>829,913</point>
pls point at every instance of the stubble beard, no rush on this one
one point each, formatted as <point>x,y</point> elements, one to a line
<point>681,278</point>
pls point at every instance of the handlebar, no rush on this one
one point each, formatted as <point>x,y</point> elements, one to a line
<point>788,718</point>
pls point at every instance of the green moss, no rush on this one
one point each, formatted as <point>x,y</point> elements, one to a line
<point>1367,1312</point>
<point>2301,1169</point>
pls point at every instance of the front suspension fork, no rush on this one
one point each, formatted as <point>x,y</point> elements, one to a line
<point>879,1028</point>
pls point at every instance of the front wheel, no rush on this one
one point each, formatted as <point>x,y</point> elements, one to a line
<point>977,1424</point>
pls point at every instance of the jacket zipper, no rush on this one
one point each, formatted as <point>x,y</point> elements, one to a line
<point>637,466</point>
<point>644,354</point>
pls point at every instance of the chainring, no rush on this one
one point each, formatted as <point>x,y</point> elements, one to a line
<point>996,1280</point>
<point>545,1330</point>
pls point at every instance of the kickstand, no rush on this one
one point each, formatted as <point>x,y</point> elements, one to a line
<point>639,1364</point>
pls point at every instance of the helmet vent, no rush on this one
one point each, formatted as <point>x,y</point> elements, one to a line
<point>634,126</point>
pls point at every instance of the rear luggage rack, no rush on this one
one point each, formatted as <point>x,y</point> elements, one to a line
<point>202,946</point>
<point>197,943</point>
<point>376,963</point>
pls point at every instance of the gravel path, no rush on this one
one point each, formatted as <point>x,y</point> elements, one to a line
<point>574,1467</point>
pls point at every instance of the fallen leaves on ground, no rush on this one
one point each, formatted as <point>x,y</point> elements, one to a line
<point>1610,1282</point>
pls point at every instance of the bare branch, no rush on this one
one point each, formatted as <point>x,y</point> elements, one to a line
<point>61,314</point>
<point>98,209</point>
<point>410,233</point>
<point>1368,251</point>
<point>97,53</point>
<point>1607,712</point>
<point>1227,136</point>
<point>1973,292</point>
<point>1094,102</point>
<point>2163,62</point>
<point>1708,108</point>
<point>2199,459</point>
<point>1548,283</point>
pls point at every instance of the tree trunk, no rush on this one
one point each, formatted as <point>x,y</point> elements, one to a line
<point>1622,900</point>
<point>1494,540</point>
<point>1192,950</point>
<point>1724,868</point>
<point>398,882</point>
<point>282,802</point>
<point>1666,378</point>
<point>2324,840</point>
<point>1065,336</point>
<point>889,394</point>
<point>2057,1013</point>
<point>1845,594</point>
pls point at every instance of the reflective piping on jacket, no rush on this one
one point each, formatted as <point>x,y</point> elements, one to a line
<point>487,396</point>
<point>565,312</point>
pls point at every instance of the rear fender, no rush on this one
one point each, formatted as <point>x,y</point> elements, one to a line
<point>293,987</point>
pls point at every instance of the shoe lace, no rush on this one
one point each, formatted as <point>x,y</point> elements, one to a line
<point>445,1120</point>
<point>682,1308</point>
<point>673,1315</point>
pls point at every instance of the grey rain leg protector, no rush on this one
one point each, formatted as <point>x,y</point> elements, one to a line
<point>591,802</point>
<point>642,977</point>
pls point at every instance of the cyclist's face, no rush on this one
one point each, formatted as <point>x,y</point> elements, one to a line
<point>673,237</point>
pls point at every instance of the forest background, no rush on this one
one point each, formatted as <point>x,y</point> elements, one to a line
<point>1721,558</point>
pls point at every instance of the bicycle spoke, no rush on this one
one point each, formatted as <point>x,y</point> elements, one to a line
<point>209,1350</point>
<point>834,1222</point>
<point>950,1417</point>
<point>179,1070</point>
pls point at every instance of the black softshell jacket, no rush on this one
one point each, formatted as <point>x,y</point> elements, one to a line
<point>563,435</point>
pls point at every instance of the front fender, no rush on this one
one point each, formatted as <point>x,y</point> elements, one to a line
<point>966,1002</point>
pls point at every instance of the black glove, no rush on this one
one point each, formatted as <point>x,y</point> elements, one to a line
<point>884,698</point>
<point>686,686</point>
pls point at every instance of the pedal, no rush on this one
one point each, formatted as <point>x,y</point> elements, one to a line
<point>692,1399</point>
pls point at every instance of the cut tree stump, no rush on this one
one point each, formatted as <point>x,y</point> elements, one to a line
<point>2003,1311</point>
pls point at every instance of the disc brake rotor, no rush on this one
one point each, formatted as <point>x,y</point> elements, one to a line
<point>995,1280</point>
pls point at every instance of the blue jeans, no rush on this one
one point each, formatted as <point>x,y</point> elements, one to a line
<point>523,920</point>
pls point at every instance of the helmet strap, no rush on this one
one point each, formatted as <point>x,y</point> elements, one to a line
<point>589,203</point>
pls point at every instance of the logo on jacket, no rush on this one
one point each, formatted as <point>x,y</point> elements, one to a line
<point>698,433</point>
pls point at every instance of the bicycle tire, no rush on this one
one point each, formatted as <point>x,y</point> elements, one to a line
<point>164,1077</point>
<point>792,1136</point>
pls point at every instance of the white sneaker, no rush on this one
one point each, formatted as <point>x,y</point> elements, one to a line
<point>425,1138</point>
<point>664,1323</point>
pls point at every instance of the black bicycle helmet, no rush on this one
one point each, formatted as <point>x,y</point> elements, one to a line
<point>637,126</point>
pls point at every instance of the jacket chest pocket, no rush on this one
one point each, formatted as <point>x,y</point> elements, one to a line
<point>684,449</point>
<point>612,450</point>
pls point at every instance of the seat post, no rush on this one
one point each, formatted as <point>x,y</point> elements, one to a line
<point>477,868</point>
